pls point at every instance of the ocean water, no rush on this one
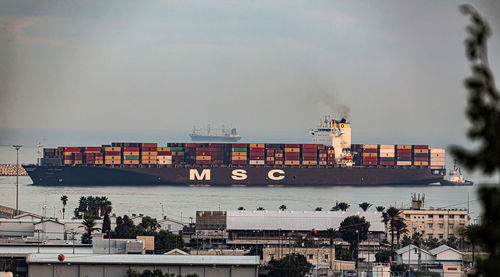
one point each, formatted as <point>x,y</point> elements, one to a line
<point>182,202</point>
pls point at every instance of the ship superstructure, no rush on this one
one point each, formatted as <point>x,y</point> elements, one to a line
<point>215,135</point>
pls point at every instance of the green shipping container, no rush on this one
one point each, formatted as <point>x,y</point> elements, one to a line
<point>131,158</point>
<point>236,149</point>
<point>176,149</point>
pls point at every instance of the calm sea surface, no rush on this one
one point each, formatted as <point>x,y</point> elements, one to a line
<point>184,201</point>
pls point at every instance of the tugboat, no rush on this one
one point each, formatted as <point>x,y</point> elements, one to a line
<point>456,178</point>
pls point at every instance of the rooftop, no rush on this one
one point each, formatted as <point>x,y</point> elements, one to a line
<point>297,220</point>
<point>145,259</point>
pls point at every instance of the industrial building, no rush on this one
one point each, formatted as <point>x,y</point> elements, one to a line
<point>48,265</point>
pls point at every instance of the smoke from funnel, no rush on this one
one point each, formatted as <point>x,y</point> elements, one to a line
<point>330,100</point>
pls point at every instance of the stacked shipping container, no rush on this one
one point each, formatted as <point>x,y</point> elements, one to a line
<point>309,154</point>
<point>238,153</point>
<point>386,154</point>
<point>437,158</point>
<point>164,156</point>
<point>112,155</point>
<point>370,154</point>
<point>257,154</point>
<point>292,154</point>
<point>403,155</point>
<point>421,155</point>
<point>149,152</point>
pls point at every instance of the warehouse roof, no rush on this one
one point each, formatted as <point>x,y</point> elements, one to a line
<point>297,220</point>
<point>145,259</point>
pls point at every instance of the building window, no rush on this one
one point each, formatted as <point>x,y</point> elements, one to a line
<point>430,235</point>
<point>462,216</point>
<point>441,236</point>
<point>451,225</point>
<point>441,216</point>
<point>311,256</point>
<point>451,216</point>
<point>407,216</point>
<point>430,225</point>
<point>326,257</point>
<point>431,216</point>
<point>441,225</point>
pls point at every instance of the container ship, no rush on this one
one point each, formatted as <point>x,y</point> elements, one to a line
<point>226,135</point>
<point>331,160</point>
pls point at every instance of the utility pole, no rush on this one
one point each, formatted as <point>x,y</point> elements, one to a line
<point>17,147</point>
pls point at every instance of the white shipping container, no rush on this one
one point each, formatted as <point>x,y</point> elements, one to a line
<point>387,151</point>
<point>165,162</point>
<point>438,150</point>
<point>387,146</point>
<point>436,167</point>
<point>387,155</point>
<point>256,162</point>
<point>437,155</point>
<point>403,163</point>
<point>370,146</point>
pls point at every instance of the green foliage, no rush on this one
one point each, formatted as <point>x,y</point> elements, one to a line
<point>282,207</point>
<point>382,256</point>
<point>147,227</point>
<point>365,206</point>
<point>164,242</point>
<point>406,241</point>
<point>354,229</point>
<point>342,254</point>
<point>260,209</point>
<point>106,224</point>
<point>89,225</point>
<point>241,208</point>
<point>483,111</point>
<point>380,208</point>
<point>64,200</point>
<point>95,206</point>
<point>149,273</point>
<point>391,217</point>
<point>255,252</point>
<point>318,209</point>
<point>125,228</point>
<point>292,265</point>
<point>343,206</point>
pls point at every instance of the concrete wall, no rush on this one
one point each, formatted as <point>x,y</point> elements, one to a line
<point>73,270</point>
<point>449,257</point>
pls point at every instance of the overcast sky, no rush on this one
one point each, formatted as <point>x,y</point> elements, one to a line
<point>263,66</point>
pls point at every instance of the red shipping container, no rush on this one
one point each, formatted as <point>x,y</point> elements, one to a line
<point>112,153</point>
<point>92,148</point>
<point>292,145</point>
<point>420,146</point>
<point>370,159</point>
<point>130,149</point>
<point>71,149</point>
<point>370,150</point>
<point>149,144</point>
<point>309,146</point>
<point>260,150</point>
<point>239,145</point>
<point>386,162</point>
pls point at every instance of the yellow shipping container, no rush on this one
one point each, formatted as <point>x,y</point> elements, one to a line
<point>180,153</point>
<point>322,162</point>
<point>270,159</point>
<point>99,162</point>
<point>131,162</point>
<point>309,162</point>
<point>68,162</point>
<point>278,155</point>
<point>424,151</point>
<point>257,145</point>
<point>421,163</point>
<point>78,162</point>
<point>163,148</point>
<point>278,162</point>
<point>149,153</point>
<point>292,162</point>
<point>131,153</point>
<point>400,146</point>
<point>322,155</point>
<point>369,154</point>
<point>112,149</point>
<point>234,154</point>
<point>331,151</point>
<point>239,158</point>
<point>292,149</point>
<point>150,162</point>
<point>203,158</point>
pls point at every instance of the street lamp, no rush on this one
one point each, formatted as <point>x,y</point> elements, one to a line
<point>17,147</point>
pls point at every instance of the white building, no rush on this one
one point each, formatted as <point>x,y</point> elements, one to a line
<point>447,255</point>
<point>412,254</point>
<point>49,229</point>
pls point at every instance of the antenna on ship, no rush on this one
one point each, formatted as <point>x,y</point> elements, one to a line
<point>39,152</point>
<point>208,129</point>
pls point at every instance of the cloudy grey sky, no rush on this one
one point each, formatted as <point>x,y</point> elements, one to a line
<point>264,66</point>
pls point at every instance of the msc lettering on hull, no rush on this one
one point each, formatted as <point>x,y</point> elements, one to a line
<point>237,175</point>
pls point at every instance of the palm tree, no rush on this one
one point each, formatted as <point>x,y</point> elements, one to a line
<point>89,225</point>
<point>64,200</point>
<point>380,208</point>
<point>260,209</point>
<point>241,208</point>
<point>365,206</point>
<point>282,207</point>
<point>400,228</point>
<point>390,217</point>
<point>343,206</point>
<point>336,207</point>
<point>318,209</point>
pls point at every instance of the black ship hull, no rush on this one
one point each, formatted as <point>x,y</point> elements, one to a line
<point>231,176</point>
